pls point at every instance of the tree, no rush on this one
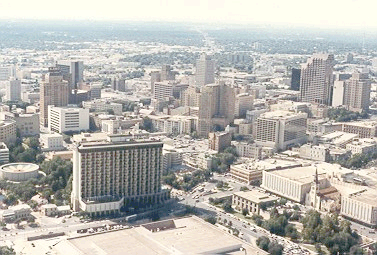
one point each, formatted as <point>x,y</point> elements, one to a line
<point>356,250</point>
<point>311,226</point>
<point>275,248</point>
<point>227,207</point>
<point>257,219</point>
<point>147,124</point>
<point>5,250</point>
<point>245,212</point>
<point>211,220</point>
<point>263,242</point>
<point>244,188</point>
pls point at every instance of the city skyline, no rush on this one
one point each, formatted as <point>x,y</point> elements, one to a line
<point>271,12</point>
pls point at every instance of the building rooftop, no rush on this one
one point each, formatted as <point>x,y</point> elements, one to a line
<point>180,236</point>
<point>19,167</point>
<point>280,115</point>
<point>255,196</point>
<point>368,196</point>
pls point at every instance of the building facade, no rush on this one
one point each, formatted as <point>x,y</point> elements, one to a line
<point>67,119</point>
<point>54,91</point>
<point>281,129</point>
<point>316,79</point>
<point>117,173</point>
<point>205,70</point>
<point>13,90</point>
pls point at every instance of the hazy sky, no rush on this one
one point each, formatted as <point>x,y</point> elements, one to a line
<point>318,13</point>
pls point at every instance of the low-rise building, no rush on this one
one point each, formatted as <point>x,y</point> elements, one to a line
<point>219,141</point>
<point>365,129</point>
<point>99,105</point>
<point>337,139</point>
<point>251,201</point>
<point>314,152</point>
<point>14,213</point>
<point>52,142</point>
<point>361,206</point>
<point>27,124</point>
<point>362,146</point>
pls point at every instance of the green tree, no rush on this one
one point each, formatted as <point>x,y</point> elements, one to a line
<point>245,212</point>
<point>211,220</point>
<point>263,242</point>
<point>275,248</point>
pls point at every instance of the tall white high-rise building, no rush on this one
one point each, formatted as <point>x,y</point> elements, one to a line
<point>13,90</point>
<point>121,172</point>
<point>205,70</point>
<point>317,79</point>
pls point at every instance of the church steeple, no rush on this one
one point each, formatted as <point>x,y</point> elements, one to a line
<point>316,176</point>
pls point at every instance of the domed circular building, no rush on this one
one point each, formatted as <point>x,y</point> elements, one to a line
<point>18,172</point>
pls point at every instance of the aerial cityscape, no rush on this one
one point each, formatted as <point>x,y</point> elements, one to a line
<point>179,135</point>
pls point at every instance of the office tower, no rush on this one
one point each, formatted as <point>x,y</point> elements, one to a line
<point>349,58</point>
<point>357,92</point>
<point>120,172</point>
<point>13,90</point>
<point>216,108</point>
<point>166,73</point>
<point>118,84</point>
<point>191,96</point>
<point>165,90</point>
<point>67,119</point>
<point>354,93</point>
<point>317,79</point>
<point>205,70</point>
<point>73,72</point>
<point>54,91</point>
<point>295,79</point>
<point>338,93</point>
<point>7,72</point>
<point>244,102</point>
<point>155,77</point>
<point>281,129</point>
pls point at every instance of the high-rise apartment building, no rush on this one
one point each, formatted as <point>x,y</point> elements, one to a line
<point>13,90</point>
<point>205,70</point>
<point>118,173</point>
<point>317,79</point>
<point>7,72</point>
<point>216,107</point>
<point>54,91</point>
<point>281,129</point>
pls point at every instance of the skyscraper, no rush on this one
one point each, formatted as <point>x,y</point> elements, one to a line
<point>54,91</point>
<point>119,172</point>
<point>205,70</point>
<point>317,79</point>
<point>13,90</point>
<point>295,79</point>
<point>357,92</point>
<point>216,108</point>
<point>73,72</point>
